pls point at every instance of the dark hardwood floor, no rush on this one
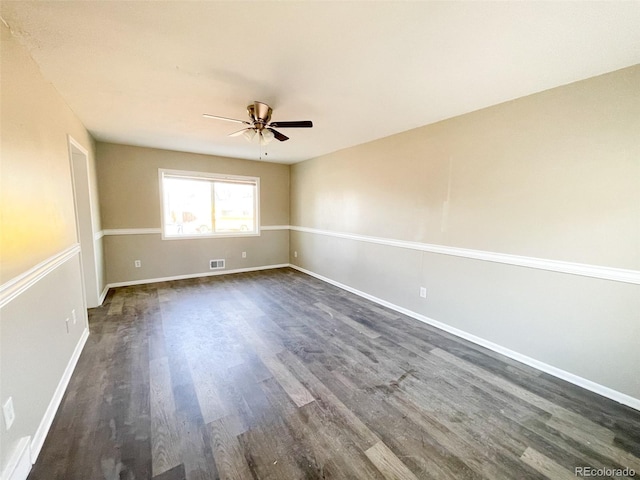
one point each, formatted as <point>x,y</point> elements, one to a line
<point>277,375</point>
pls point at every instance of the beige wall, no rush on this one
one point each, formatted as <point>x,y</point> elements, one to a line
<point>130,199</point>
<point>555,176</point>
<point>37,222</point>
<point>37,200</point>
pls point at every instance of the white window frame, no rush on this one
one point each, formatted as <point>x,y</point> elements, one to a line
<point>213,177</point>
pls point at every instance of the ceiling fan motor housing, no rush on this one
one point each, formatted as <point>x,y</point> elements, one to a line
<point>260,114</point>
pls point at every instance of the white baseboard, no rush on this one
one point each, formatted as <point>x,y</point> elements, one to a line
<point>47,419</point>
<point>103,295</point>
<point>619,397</point>
<point>19,464</point>
<point>193,275</point>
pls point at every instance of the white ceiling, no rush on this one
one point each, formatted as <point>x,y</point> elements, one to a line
<point>142,73</point>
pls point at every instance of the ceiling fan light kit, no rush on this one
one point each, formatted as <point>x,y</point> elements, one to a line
<point>260,123</point>
<point>266,135</point>
<point>248,133</point>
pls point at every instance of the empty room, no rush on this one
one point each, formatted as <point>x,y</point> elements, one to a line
<point>319,240</point>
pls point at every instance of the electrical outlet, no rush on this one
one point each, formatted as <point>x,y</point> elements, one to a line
<point>137,263</point>
<point>295,254</point>
<point>9,413</point>
<point>244,254</point>
<point>423,292</point>
<point>73,316</point>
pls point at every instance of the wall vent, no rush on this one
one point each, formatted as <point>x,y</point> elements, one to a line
<point>216,264</point>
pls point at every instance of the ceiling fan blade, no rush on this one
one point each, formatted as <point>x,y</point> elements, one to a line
<point>278,135</point>
<point>300,124</point>
<point>238,133</point>
<point>207,115</point>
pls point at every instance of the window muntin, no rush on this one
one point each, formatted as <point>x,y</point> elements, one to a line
<point>198,205</point>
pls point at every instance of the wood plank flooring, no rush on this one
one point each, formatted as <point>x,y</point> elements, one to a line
<point>277,375</point>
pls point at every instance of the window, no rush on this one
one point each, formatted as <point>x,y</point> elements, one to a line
<point>196,205</point>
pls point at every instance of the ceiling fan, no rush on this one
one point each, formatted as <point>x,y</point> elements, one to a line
<point>260,123</point>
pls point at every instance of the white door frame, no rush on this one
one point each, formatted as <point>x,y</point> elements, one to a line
<point>79,162</point>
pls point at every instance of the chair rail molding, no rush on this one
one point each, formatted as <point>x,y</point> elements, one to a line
<point>585,270</point>
<point>14,287</point>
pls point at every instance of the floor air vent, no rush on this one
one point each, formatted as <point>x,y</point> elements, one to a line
<point>216,264</point>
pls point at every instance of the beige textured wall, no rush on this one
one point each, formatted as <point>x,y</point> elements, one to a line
<point>555,175</point>
<point>36,204</point>
<point>129,199</point>
<point>36,348</point>
<point>37,221</point>
<point>169,258</point>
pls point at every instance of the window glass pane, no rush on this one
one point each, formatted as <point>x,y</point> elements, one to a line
<point>234,207</point>
<point>187,207</point>
<point>200,204</point>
